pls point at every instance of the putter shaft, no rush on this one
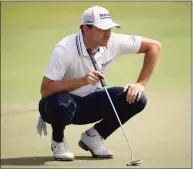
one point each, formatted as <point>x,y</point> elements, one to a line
<point>103,83</point>
<point>119,122</point>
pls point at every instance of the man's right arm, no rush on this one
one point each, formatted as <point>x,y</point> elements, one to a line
<point>50,87</point>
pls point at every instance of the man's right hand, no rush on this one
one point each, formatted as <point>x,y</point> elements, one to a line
<point>92,77</point>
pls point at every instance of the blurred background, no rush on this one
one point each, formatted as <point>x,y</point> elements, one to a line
<point>161,135</point>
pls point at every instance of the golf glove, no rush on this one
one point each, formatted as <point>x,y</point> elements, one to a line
<point>41,125</point>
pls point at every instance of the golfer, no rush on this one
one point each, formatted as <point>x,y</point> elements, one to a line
<point>70,91</point>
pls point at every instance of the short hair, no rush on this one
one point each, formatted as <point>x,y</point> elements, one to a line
<point>89,26</point>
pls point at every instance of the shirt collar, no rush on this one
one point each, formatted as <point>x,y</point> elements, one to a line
<point>81,46</point>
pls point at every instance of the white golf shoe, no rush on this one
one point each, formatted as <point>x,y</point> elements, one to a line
<point>93,142</point>
<point>61,151</point>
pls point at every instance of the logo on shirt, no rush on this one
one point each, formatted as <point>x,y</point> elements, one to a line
<point>106,63</point>
<point>133,38</point>
<point>105,16</point>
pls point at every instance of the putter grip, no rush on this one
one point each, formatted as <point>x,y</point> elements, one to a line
<point>93,60</point>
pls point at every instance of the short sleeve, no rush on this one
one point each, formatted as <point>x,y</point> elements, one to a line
<point>126,44</point>
<point>58,64</point>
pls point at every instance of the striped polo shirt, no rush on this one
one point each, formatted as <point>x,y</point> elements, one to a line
<point>69,59</point>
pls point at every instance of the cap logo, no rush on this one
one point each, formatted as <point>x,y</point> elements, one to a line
<point>89,22</point>
<point>105,16</point>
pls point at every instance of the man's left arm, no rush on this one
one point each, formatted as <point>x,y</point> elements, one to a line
<point>151,49</point>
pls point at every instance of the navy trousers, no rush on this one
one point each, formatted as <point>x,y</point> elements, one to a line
<point>63,109</point>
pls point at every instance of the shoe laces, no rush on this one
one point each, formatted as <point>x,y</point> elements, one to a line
<point>65,145</point>
<point>62,146</point>
<point>100,143</point>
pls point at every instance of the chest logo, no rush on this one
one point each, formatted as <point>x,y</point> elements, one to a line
<point>106,63</point>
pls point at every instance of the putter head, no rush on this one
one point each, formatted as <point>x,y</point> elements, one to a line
<point>134,163</point>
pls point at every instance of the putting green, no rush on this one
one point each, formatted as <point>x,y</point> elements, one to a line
<point>160,135</point>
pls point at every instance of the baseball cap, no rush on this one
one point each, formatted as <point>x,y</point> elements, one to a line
<point>99,17</point>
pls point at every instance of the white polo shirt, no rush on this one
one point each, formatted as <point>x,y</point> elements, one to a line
<point>70,60</point>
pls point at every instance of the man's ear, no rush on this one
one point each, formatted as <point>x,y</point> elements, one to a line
<point>86,28</point>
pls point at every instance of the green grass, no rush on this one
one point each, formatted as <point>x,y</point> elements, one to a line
<point>31,29</point>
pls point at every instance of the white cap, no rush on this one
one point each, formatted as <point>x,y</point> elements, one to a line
<point>99,17</point>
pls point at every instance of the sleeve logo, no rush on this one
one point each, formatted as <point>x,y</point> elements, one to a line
<point>133,38</point>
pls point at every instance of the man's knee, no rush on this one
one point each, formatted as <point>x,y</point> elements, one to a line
<point>62,108</point>
<point>141,104</point>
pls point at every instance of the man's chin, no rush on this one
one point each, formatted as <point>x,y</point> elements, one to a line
<point>104,44</point>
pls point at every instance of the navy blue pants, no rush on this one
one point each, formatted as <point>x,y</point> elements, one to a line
<point>63,109</point>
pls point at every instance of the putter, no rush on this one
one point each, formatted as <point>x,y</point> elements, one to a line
<point>103,83</point>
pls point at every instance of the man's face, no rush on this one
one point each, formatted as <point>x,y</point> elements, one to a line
<point>98,36</point>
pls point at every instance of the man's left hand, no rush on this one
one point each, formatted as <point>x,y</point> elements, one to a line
<point>134,92</point>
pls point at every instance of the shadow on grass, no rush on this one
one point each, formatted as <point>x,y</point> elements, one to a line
<point>35,161</point>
